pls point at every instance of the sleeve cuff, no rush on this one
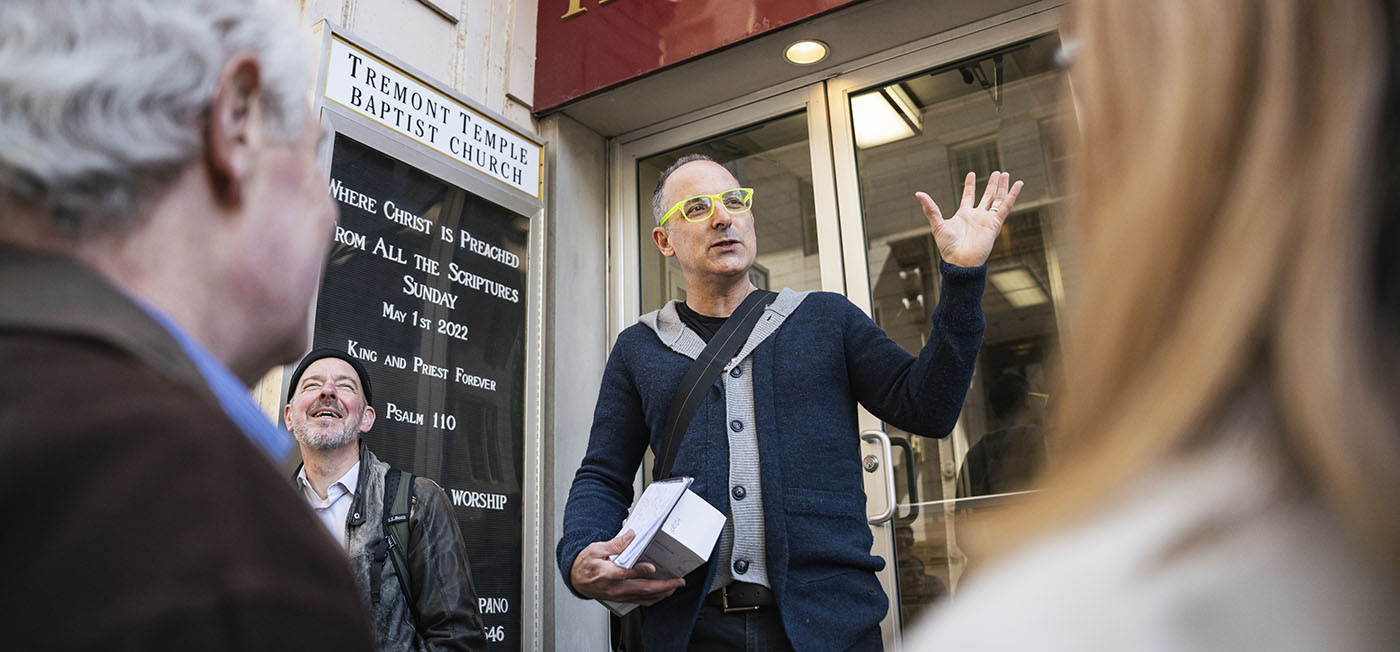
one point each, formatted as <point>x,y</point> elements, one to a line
<point>960,301</point>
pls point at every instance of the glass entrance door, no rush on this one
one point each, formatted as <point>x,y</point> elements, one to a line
<point>1000,108</point>
<point>834,167</point>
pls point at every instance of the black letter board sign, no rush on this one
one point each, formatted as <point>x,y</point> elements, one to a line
<point>426,286</point>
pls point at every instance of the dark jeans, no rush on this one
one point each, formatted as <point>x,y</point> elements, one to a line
<point>755,631</point>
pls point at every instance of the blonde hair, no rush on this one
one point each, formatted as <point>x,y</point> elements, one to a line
<point>1228,231</point>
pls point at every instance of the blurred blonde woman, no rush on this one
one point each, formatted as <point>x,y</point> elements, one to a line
<point>1230,456</point>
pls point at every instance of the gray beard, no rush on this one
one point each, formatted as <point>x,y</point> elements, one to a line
<point>325,440</point>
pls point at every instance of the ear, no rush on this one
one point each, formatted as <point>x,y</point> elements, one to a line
<point>232,135</point>
<point>662,238</point>
<point>287,413</point>
<point>367,421</point>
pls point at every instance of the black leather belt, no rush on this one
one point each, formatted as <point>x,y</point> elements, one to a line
<point>741,596</point>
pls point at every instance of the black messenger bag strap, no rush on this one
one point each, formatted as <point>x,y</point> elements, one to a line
<point>702,374</point>
<point>627,630</point>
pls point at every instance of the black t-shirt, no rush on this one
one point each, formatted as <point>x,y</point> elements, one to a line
<point>704,325</point>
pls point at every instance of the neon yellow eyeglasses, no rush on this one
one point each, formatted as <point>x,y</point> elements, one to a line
<point>700,207</point>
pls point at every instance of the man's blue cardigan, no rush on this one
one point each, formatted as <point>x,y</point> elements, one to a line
<point>808,376</point>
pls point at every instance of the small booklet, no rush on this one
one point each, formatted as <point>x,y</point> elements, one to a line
<point>675,532</point>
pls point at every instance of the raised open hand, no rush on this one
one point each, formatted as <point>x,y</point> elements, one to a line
<point>966,238</point>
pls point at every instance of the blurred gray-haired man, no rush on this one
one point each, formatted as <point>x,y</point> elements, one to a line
<point>163,225</point>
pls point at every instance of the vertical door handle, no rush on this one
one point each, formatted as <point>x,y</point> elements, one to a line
<point>911,475</point>
<point>879,436</point>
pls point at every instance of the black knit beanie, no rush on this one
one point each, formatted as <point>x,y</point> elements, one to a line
<point>326,352</point>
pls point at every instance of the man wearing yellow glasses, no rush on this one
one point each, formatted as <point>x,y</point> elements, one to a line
<point>773,445</point>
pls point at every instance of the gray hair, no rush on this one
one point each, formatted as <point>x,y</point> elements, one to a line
<point>103,102</point>
<point>657,208</point>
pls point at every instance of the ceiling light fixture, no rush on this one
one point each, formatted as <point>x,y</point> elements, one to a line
<point>1020,289</point>
<point>884,116</point>
<point>806,52</point>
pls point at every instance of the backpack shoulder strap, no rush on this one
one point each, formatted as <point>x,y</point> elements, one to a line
<point>398,500</point>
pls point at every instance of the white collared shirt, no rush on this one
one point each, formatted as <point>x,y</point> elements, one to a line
<point>339,496</point>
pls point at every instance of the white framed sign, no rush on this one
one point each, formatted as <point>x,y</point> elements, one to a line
<point>371,87</point>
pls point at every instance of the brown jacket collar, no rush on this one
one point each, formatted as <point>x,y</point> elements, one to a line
<point>41,292</point>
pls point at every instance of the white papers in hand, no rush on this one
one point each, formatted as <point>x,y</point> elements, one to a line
<point>675,531</point>
<point>648,516</point>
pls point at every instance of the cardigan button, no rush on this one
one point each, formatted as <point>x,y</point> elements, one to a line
<point>736,372</point>
<point>738,492</point>
<point>741,566</point>
<point>736,425</point>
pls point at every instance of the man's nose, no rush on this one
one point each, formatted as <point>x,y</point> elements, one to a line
<point>720,218</point>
